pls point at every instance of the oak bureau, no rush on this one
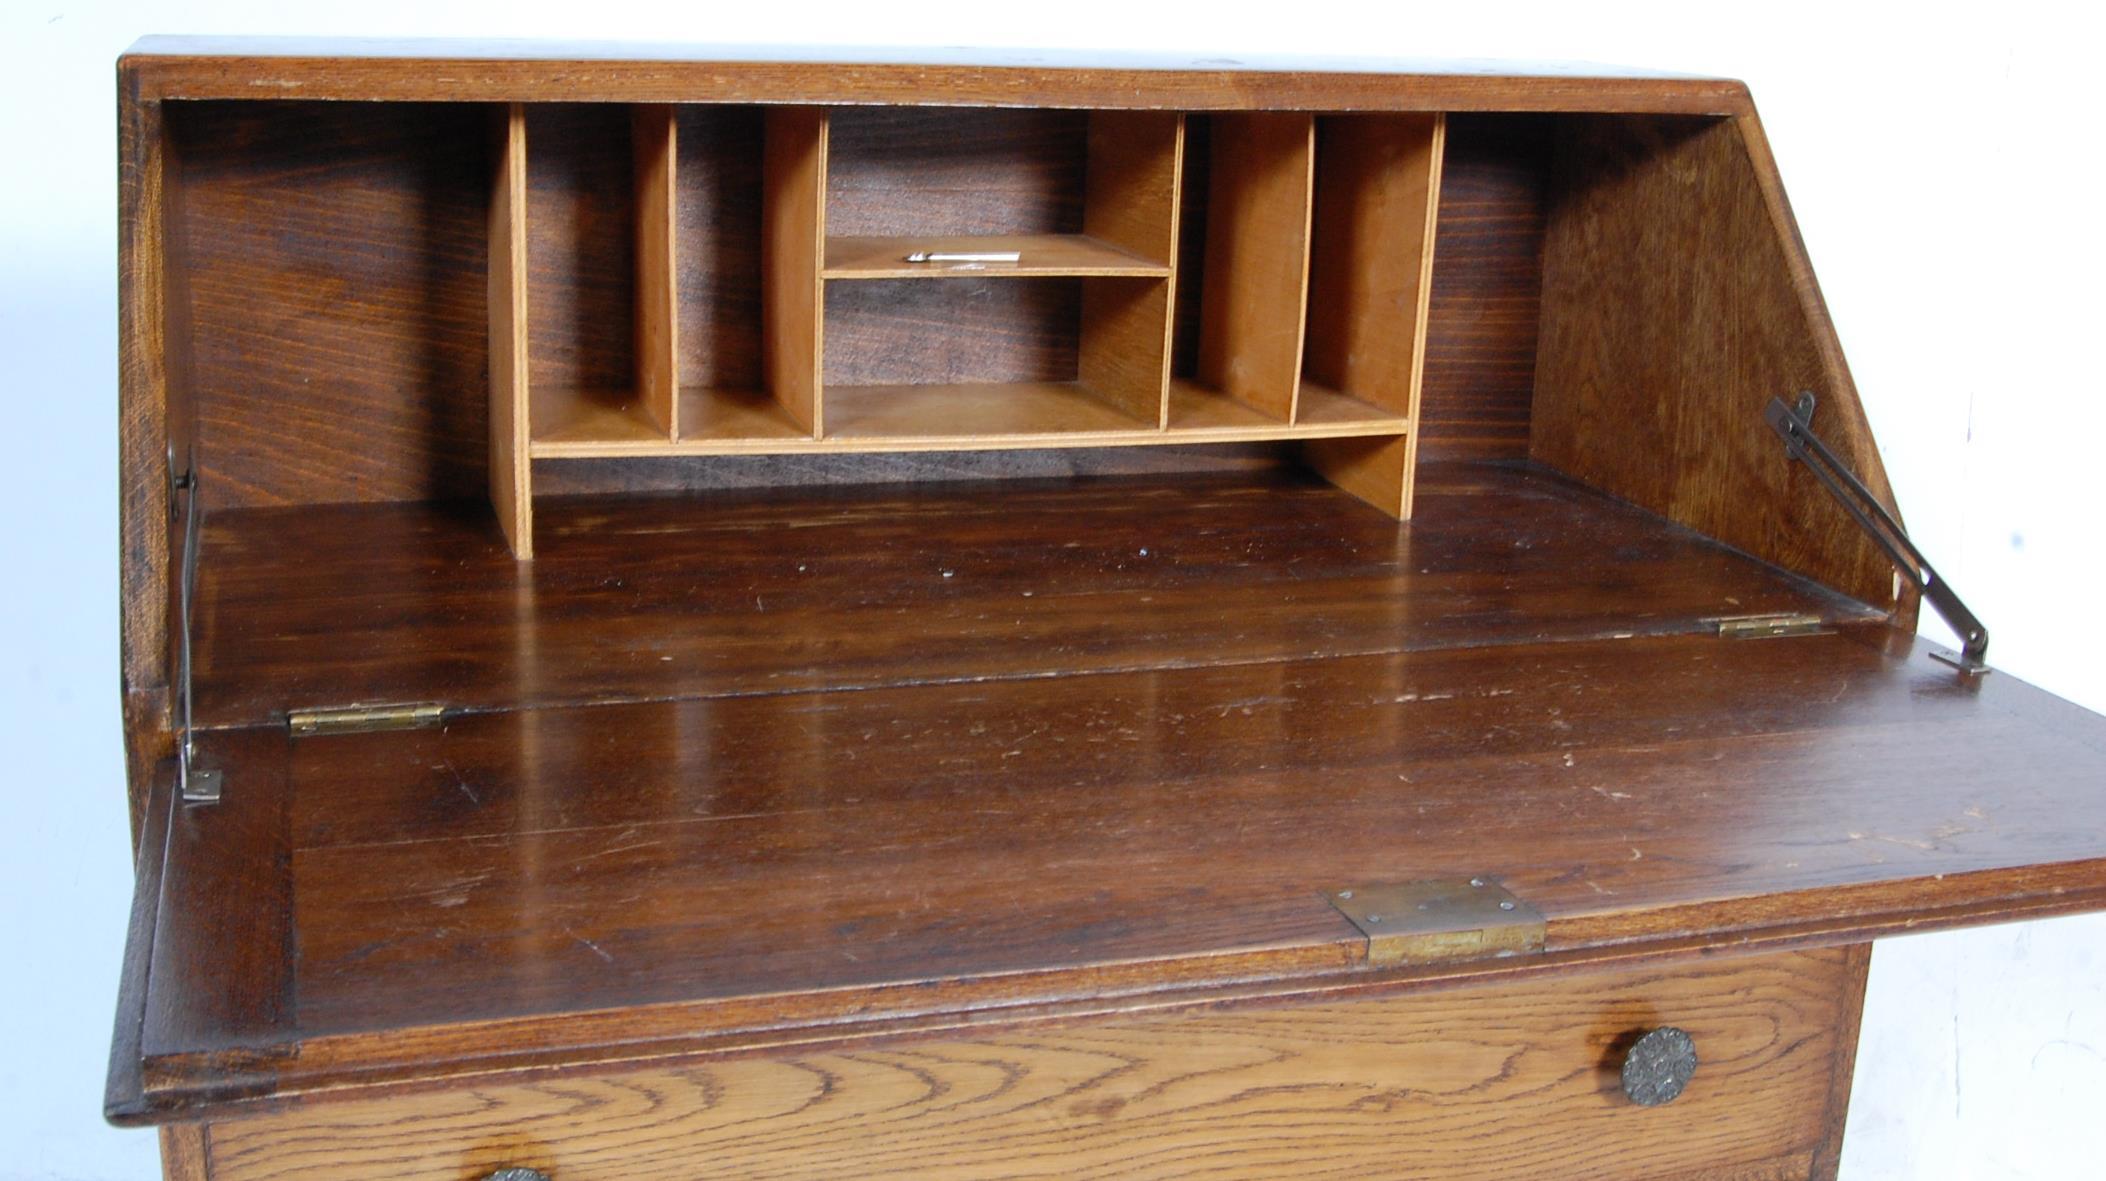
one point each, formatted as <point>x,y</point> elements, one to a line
<point>696,616</point>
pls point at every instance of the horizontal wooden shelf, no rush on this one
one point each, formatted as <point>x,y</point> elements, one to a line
<point>1323,413</point>
<point>1043,256</point>
<point>712,422</point>
<point>973,417</point>
<point>565,417</point>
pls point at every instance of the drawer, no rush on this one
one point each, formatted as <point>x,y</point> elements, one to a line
<point>1507,1081</point>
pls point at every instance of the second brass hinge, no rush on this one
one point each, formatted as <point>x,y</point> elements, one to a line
<point>1753,627</point>
<point>359,719</point>
<point>1440,919</point>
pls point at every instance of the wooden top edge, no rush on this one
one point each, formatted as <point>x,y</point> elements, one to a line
<point>184,67</point>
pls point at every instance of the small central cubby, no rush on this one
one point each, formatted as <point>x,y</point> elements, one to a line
<point>709,279</point>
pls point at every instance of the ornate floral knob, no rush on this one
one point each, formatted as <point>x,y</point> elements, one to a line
<point>1658,1066</point>
<point>512,1174</point>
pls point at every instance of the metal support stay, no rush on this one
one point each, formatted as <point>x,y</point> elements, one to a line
<point>1794,424</point>
<point>194,784</point>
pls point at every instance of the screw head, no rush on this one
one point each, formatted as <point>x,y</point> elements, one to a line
<point>1345,893</point>
<point>1506,906</point>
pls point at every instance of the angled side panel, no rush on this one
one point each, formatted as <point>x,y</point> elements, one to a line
<point>1676,302</point>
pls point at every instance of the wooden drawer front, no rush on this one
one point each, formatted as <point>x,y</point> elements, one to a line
<point>1514,1081</point>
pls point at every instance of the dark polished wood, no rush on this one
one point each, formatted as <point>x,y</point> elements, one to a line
<point>998,819</point>
<point>770,590</point>
<point>925,820</point>
<point>335,299</point>
<point>1481,329</point>
<point>514,71</point>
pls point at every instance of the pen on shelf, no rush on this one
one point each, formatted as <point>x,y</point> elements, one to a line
<point>966,256</point>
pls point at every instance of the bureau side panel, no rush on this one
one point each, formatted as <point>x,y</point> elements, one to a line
<point>1677,301</point>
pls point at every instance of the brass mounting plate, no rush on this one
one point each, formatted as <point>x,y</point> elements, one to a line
<point>1762,627</point>
<point>1440,919</point>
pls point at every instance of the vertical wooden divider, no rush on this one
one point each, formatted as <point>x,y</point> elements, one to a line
<point>1135,165</point>
<point>793,229</point>
<point>1257,258</point>
<point>1370,279</point>
<point>511,464</point>
<point>654,133</point>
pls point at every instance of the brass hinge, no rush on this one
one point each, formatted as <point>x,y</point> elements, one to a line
<point>358,719</point>
<point>1440,919</point>
<point>1756,627</point>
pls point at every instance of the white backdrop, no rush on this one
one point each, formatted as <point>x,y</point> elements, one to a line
<point>1945,170</point>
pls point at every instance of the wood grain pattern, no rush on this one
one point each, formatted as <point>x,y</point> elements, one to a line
<point>1131,191</point>
<point>1370,277</point>
<point>1261,177</point>
<point>654,139</point>
<point>957,419</point>
<point>513,71</point>
<point>1482,320</point>
<point>337,299</point>
<point>1123,348</point>
<point>1377,470</point>
<point>581,252</point>
<point>1828,1154</point>
<point>718,233</point>
<point>1640,361</point>
<point>183,1153</point>
<point>431,607</point>
<point>1371,251</point>
<point>596,901</point>
<point>154,421</point>
<point>961,330</point>
<point>239,850</point>
<point>793,229</point>
<point>1488,1082</point>
<point>944,171</point>
<point>850,467</point>
<point>511,467</point>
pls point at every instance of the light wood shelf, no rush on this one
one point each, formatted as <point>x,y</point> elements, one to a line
<point>566,416</point>
<point>740,349</point>
<point>1043,256</point>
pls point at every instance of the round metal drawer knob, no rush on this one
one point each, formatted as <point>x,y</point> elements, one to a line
<point>1658,1066</point>
<point>517,1175</point>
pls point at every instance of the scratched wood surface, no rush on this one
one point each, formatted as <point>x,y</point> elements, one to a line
<point>758,857</point>
<point>659,597</point>
<point>1410,1088</point>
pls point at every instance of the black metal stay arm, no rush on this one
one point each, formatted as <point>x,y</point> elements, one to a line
<point>1795,425</point>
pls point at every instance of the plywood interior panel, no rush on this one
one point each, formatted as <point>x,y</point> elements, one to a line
<point>1254,284</point>
<point>793,229</point>
<point>511,474</point>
